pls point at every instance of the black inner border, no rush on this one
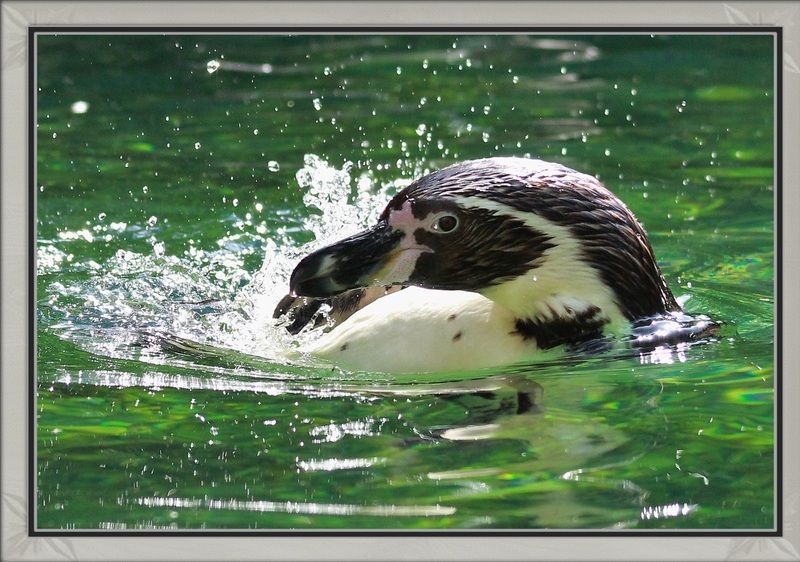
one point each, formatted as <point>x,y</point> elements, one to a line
<point>776,31</point>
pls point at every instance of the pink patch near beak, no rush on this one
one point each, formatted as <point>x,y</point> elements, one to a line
<point>403,217</point>
<point>402,264</point>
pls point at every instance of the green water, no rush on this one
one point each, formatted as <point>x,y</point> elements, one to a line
<point>169,185</point>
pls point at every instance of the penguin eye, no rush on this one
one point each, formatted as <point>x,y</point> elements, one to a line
<point>445,224</point>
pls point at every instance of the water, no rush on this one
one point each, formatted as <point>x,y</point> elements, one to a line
<point>180,178</point>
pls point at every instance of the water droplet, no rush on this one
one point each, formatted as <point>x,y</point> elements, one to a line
<point>235,202</point>
<point>212,66</point>
<point>197,146</point>
<point>607,152</point>
<point>158,249</point>
<point>515,79</point>
<point>317,104</point>
<point>421,128</point>
<point>564,151</point>
<point>399,70</point>
<point>101,216</point>
<point>255,131</point>
<point>563,70</point>
<point>273,166</point>
<point>55,135</point>
<point>152,221</point>
<point>486,109</point>
<point>259,207</point>
<point>79,107</point>
<point>145,189</point>
<point>485,136</point>
<point>327,71</point>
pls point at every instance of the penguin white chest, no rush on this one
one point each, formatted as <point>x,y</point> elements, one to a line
<point>425,330</point>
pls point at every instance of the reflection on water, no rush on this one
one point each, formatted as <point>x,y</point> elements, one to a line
<point>169,398</point>
<point>309,508</point>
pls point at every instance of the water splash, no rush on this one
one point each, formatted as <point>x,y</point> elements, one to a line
<point>338,208</point>
<point>210,297</point>
<point>207,295</point>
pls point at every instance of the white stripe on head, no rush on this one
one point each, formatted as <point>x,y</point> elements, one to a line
<point>562,280</point>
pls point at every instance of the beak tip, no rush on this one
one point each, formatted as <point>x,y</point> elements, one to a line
<point>301,274</point>
<point>344,265</point>
<point>296,287</point>
<point>305,283</point>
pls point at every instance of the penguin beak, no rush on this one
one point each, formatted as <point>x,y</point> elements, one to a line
<point>357,261</point>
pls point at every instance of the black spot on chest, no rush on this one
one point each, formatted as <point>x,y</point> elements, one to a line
<point>579,328</point>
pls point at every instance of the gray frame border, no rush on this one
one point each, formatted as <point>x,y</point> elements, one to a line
<point>18,16</point>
